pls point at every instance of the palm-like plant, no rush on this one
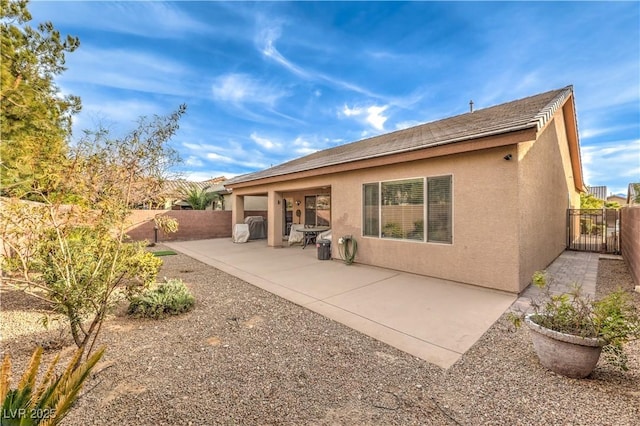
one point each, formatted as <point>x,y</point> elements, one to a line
<point>48,403</point>
<point>198,198</point>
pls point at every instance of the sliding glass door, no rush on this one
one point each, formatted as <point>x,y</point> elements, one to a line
<point>317,210</point>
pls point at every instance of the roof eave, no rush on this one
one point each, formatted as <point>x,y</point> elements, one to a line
<point>517,135</point>
<point>497,132</point>
<point>571,126</point>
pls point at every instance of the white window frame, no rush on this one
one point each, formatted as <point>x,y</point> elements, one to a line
<point>425,236</point>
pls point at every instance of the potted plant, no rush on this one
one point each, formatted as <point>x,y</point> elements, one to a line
<point>570,331</point>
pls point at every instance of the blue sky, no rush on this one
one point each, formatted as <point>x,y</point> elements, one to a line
<point>268,82</point>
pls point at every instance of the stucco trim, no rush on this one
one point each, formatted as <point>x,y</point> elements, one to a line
<point>571,124</point>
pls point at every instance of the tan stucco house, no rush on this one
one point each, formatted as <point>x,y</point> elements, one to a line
<point>478,198</point>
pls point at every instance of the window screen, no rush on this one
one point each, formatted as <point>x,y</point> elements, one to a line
<point>402,209</point>
<point>439,209</point>
<point>371,210</point>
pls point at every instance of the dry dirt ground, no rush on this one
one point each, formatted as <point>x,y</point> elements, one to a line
<point>245,356</point>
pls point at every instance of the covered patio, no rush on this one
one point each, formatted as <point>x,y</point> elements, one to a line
<point>432,319</point>
<point>307,206</point>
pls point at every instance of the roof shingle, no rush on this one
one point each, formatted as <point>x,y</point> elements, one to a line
<point>526,113</point>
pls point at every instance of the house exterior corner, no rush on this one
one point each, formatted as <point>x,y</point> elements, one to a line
<point>547,188</point>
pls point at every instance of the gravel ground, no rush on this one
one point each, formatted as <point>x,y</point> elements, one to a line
<point>245,356</point>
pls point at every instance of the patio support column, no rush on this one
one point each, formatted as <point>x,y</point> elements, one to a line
<point>237,211</point>
<point>274,219</point>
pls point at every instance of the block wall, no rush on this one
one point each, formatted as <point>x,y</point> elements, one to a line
<point>630,239</point>
<point>192,224</point>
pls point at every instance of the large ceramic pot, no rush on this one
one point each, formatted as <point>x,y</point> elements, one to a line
<point>566,354</point>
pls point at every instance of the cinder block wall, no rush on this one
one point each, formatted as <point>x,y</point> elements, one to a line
<point>192,224</point>
<point>630,239</point>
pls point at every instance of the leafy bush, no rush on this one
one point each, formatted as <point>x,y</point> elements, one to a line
<point>49,402</point>
<point>418,231</point>
<point>614,318</point>
<point>198,198</point>
<point>71,257</point>
<point>167,224</point>
<point>392,230</point>
<point>170,298</point>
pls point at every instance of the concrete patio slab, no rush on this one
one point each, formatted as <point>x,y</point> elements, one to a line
<point>433,319</point>
<point>422,304</point>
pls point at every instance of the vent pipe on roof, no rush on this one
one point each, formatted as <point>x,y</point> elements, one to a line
<point>471,105</point>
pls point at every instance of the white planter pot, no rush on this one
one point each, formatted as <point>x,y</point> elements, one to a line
<point>566,354</point>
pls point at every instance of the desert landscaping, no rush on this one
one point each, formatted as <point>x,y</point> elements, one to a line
<point>245,356</point>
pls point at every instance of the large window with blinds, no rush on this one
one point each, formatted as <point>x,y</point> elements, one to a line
<point>398,209</point>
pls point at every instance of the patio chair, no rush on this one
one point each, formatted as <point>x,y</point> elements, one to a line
<point>295,236</point>
<point>309,238</point>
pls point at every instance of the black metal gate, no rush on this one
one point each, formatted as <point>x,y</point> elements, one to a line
<point>595,230</point>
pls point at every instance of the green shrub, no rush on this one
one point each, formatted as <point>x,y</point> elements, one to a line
<point>613,318</point>
<point>170,298</point>
<point>392,230</point>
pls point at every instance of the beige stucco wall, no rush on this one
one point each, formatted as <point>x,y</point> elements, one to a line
<point>509,216</point>
<point>546,189</point>
<point>485,218</point>
<point>250,202</point>
<point>484,223</point>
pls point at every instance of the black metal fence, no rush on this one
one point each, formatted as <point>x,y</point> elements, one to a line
<point>596,230</point>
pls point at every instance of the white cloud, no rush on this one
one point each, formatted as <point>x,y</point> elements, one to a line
<point>351,111</point>
<point>611,163</point>
<point>599,131</point>
<point>266,41</point>
<point>161,20</point>
<point>373,115</point>
<point>127,69</point>
<point>264,142</point>
<point>242,88</point>
<point>193,161</point>
<point>201,176</point>
<point>303,146</point>
<point>232,153</point>
<point>217,157</point>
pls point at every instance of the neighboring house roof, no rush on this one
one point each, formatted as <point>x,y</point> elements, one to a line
<point>600,192</point>
<point>528,113</point>
<point>216,180</point>
<point>175,187</point>
<point>617,199</point>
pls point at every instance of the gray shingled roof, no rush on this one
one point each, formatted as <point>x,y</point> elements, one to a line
<point>527,113</point>
<point>175,187</point>
<point>600,192</point>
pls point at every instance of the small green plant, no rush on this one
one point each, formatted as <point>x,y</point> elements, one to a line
<point>393,230</point>
<point>418,231</point>
<point>164,299</point>
<point>614,318</point>
<point>48,403</point>
<point>163,253</point>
